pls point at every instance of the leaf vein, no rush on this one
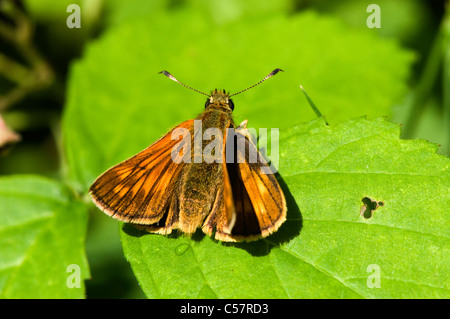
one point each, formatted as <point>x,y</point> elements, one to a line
<point>324,271</point>
<point>379,225</point>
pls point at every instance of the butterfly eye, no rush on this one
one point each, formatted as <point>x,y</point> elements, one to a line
<point>207,103</point>
<point>231,104</point>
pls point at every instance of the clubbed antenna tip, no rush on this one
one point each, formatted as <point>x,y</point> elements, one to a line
<point>267,77</point>
<point>170,76</point>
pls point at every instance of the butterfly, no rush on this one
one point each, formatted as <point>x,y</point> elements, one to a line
<point>172,185</point>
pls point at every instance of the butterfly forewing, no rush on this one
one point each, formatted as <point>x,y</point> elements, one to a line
<point>139,189</point>
<point>259,200</point>
<point>258,203</point>
<point>265,193</point>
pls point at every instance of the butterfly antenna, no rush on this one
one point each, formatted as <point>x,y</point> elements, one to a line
<point>170,76</point>
<point>268,76</point>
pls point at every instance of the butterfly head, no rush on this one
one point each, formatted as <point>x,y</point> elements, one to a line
<point>220,98</point>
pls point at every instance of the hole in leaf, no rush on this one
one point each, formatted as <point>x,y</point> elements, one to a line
<point>369,207</point>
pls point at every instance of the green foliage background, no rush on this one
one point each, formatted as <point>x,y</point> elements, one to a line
<point>108,102</point>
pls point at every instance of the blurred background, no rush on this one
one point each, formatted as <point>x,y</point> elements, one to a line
<point>37,49</point>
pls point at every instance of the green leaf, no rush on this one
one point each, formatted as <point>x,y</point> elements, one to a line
<point>326,248</point>
<point>216,11</point>
<point>42,237</point>
<point>118,104</point>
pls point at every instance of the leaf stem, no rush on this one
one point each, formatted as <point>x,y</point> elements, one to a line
<point>446,76</point>
<point>38,74</point>
<point>424,86</point>
<point>311,103</point>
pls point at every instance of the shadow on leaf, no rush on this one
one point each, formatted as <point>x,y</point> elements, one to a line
<point>139,231</point>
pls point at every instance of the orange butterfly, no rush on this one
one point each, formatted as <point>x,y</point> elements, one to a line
<point>171,185</point>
